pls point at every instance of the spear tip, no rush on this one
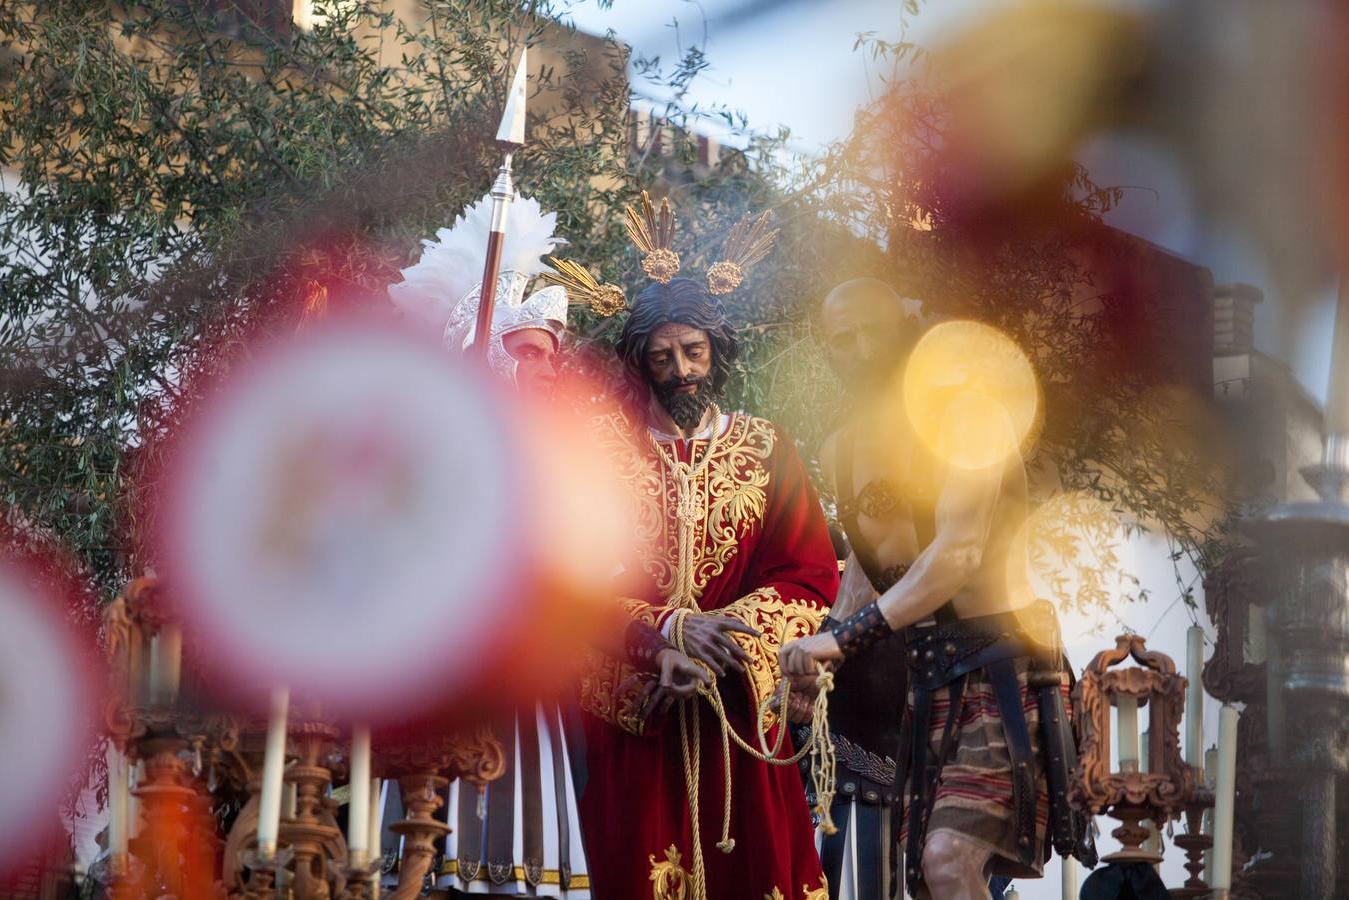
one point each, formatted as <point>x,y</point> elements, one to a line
<point>512,130</point>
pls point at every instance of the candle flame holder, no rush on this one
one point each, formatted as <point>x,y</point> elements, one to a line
<point>1131,796</point>
<point>200,766</point>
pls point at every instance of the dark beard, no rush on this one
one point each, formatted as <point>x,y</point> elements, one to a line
<point>687,410</point>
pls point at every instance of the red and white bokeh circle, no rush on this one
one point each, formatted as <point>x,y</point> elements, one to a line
<point>47,708</point>
<point>339,519</point>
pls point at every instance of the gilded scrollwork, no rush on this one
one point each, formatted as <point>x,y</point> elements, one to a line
<point>669,879</point>
<point>611,691</point>
<point>816,893</point>
<point>778,622</point>
<point>478,756</point>
<point>724,495</point>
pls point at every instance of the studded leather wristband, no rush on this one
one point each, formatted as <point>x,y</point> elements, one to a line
<point>644,645</point>
<point>828,623</point>
<point>862,630</point>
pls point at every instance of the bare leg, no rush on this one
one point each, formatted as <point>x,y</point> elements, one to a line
<point>955,868</point>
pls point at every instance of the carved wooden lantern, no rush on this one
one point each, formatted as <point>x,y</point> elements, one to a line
<point>1130,795</point>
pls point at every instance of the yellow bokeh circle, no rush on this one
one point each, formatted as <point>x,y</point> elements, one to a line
<point>971,395</point>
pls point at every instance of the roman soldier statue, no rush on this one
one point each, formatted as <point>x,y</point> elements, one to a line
<point>932,489</point>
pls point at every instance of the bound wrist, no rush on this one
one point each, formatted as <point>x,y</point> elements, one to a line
<point>644,645</point>
<point>862,630</point>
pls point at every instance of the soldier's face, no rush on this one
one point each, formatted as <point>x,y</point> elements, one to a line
<point>535,353</point>
<point>866,335</point>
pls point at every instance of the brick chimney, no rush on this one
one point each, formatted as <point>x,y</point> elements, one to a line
<point>1234,318</point>
<point>1234,339</point>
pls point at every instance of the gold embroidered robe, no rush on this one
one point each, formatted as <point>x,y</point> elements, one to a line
<point>729,525</point>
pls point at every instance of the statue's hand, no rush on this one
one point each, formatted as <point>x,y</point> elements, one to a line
<point>798,660</point>
<point>707,638</point>
<point>680,677</point>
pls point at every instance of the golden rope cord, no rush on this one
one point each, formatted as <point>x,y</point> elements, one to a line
<point>820,744</point>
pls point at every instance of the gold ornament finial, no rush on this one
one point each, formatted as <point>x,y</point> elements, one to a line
<point>653,232</point>
<point>582,287</point>
<point>670,880</point>
<point>748,243</point>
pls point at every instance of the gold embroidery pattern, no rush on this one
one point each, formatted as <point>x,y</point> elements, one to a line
<point>640,610</point>
<point>614,438</point>
<point>669,879</point>
<point>780,621</point>
<point>774,895</point>
<point>725,498</point>
<point>819,893</point>
<point>611,691</point>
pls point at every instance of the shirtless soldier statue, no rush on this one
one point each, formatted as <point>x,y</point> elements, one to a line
<point>986,742</point>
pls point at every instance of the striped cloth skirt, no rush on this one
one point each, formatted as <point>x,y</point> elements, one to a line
<point>974,791</point>
<point>521,837</point>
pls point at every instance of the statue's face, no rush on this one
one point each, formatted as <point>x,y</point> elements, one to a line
<point>679,369</point>
<point>535,353</point>
<point>866,336</point>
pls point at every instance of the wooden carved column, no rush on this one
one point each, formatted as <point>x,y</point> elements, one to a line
<point>424,768</point>
<point>165,856</point>
<point>313,835</point>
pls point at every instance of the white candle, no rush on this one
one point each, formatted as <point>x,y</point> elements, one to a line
<point>133,806</point>
<point>290,794</point>
<point>1194,696</point>
<point>358,813</point>
<point>1210,771</point>
<point>170,668</point>
<point>119,799</point>
<point>156,663</point>
<point>1225,798</point>
<point>1154,841</point>
<point>1128,732</point>
<point>1013,894</point>
<point>273,768</point>
<point>1337,397</point>
<point>1069,878</point>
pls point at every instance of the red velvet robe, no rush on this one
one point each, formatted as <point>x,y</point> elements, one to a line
<point>757,548</point>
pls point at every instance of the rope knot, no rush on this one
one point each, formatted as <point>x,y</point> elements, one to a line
<point>824,680</point>
<point>727,845</point>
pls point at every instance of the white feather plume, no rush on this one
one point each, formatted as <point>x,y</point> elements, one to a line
<point>451,266</point>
